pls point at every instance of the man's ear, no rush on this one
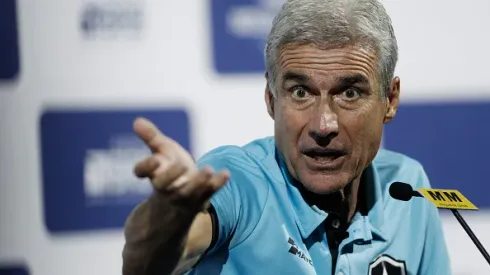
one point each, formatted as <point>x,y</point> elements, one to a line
<point>269,97</point>
<point>392,100</point>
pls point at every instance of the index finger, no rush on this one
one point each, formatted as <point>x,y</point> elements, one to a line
<point>150,134</point>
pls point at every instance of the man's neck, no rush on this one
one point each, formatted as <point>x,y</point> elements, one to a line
<point>343,202</point>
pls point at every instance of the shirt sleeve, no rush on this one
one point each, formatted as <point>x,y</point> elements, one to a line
<point>239,204</point>
<point>435,258</point>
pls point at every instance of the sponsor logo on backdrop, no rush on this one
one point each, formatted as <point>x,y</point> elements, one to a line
<point>108,173</point>
<point>240,29</point>
<point>87,162</point>
<point>112,19</point>
<point>9,48</point>
<point>451,141</point>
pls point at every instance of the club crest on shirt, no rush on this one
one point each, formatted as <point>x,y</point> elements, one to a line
<point>386,265</point>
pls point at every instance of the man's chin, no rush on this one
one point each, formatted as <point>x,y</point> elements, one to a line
<point>324,183</point>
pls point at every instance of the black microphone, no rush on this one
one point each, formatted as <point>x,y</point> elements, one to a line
<point>404,191</point>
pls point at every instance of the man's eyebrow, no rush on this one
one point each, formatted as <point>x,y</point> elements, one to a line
<point>352,79</point>
<point>293,76</point>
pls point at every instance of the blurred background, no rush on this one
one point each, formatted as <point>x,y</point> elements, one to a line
<point>74,74</point>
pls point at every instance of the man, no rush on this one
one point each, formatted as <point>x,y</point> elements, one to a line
<point>312,199</point>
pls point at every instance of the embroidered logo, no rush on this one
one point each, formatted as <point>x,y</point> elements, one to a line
<point>386,265</point>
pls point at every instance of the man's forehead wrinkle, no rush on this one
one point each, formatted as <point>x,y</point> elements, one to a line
<point>322,58</point>
<point>333,72</point>
<point>324,80</point>
<point>294,66</point>
<point>315,58</point>
<point>353,49</point>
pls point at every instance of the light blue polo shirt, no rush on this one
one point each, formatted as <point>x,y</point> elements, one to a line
<point>266,227</point>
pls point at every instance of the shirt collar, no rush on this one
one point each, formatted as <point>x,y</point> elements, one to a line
<point>308,217</point>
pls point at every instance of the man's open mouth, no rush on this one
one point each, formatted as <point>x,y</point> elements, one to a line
<point>324,154</point>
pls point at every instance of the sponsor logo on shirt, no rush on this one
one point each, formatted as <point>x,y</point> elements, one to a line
<point>295,250</point>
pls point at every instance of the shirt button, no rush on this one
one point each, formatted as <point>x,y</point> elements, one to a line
<point>336,224</point>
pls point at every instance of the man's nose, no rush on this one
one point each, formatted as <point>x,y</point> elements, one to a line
<point>324,126</point>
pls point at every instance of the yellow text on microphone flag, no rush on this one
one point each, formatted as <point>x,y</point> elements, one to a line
<point>447,199</point>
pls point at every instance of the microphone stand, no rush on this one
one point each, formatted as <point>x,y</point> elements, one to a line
<point>471,234</point>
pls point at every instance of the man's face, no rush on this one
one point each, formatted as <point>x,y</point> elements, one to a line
<point>329,113</point>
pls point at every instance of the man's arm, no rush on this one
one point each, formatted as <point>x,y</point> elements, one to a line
<point>198,241</point>
<point>168,231</point>
<point>154,247</point>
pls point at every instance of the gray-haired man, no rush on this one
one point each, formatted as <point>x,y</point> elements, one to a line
<point>312,199</point>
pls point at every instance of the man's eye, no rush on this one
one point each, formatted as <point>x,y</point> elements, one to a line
<point>300,92</point>
<point>350,94</point>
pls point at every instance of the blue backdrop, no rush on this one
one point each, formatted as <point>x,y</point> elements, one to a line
<point>239,30</point>
<point>13,270</point>
<point>87,161</point>
<point>9,48</point>
<point>451,140</point>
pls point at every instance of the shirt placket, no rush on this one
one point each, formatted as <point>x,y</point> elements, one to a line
<point>359,230</point>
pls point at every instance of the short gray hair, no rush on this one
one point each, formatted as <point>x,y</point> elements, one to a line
<point>332,24</point>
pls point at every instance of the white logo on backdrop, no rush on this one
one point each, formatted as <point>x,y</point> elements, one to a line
<point>112,19</point>
<point>108,173</point>
<point>253,22</point>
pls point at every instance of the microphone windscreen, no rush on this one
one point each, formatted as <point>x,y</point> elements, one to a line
<point>401,191</point>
